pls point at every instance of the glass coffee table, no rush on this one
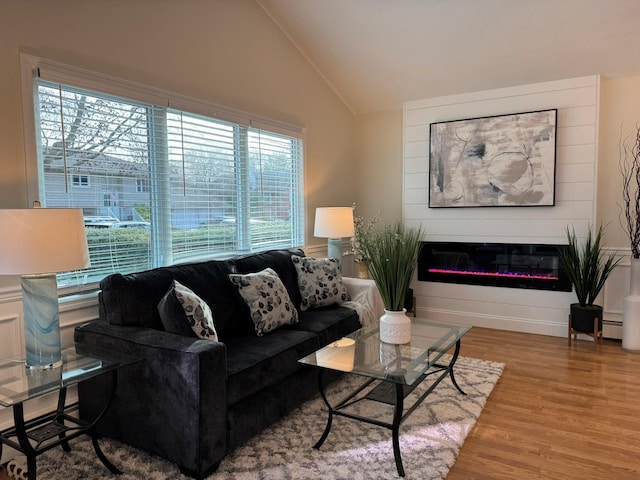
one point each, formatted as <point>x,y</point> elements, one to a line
<point>393,371</point>
<point>35,436</point>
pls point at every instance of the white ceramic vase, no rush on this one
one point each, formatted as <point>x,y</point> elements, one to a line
<point>631,311</point>
<point>395,327</point>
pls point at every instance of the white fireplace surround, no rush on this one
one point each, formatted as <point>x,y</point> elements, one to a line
<point>533,311</point>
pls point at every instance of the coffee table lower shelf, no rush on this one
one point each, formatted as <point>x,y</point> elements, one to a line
<point>391,393</point>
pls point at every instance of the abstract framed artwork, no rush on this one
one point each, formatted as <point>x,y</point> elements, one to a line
<point>497,161</point>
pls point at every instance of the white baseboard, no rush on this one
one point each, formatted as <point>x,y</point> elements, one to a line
<point>502,323</point>
<point>611,330</point>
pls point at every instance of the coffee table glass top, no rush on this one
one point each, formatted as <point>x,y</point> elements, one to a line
<point>364,354</point>
<point>19,383</point>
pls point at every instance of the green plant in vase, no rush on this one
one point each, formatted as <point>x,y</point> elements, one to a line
<point>391,255</point>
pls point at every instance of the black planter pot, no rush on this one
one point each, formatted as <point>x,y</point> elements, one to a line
<point>582,317</point>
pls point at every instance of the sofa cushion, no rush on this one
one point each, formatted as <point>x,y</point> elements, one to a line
<point>267,299</point>
<point>329,323</point>
<point>319,282</point>
<point>278,260</point>
<point>132,300</point>
<point>254,363</point>
<point>185,313</point>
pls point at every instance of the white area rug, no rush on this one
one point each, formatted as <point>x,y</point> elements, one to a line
<point>430,440</point>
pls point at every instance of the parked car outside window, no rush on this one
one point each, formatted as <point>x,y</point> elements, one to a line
<point>143,225</point>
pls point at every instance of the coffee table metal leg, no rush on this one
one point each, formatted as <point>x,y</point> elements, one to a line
<point>330,419</point>
<point>395,430</point>
<point>451,364</point>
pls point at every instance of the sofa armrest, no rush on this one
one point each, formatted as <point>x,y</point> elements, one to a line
<point>129,339</point>
<point>172,404</point>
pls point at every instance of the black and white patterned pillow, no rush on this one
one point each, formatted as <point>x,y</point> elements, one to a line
<point>319,281</point>
<point>267,298</point>
<point>183,312</point>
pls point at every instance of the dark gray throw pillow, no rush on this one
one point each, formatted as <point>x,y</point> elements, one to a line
<point>185,313</point>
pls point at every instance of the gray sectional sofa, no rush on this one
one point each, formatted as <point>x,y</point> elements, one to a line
<point>193,400</point>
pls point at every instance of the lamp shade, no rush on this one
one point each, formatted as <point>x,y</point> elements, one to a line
<point>334,222</point>
<point>42,240</point>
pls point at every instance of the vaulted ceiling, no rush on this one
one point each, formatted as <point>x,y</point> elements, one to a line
<point>377,54</point>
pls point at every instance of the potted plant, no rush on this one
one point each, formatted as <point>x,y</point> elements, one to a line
<point>587,269</point>
<point>391,255</point>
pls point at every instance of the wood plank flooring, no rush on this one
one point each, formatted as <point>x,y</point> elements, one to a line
<point>557,412</point>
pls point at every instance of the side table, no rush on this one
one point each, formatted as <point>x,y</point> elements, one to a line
<point>19,384</point>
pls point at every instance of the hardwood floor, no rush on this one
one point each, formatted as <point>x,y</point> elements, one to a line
<point>557,412</point>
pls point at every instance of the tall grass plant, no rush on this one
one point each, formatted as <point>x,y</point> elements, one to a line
<point>587,267</point>
<point>391,255</point>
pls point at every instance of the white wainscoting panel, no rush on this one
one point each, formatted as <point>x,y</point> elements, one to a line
<point>534,311</point>
<point>614,291</point>
<point>11,335</point>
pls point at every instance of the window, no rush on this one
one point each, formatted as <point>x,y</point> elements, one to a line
<point>142,185</point>
<point>188,185</point>
<point>81,181</point>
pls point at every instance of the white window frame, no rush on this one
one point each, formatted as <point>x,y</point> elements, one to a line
<point>143,185</point>
<point>65,74</point>
<point>80,180</point>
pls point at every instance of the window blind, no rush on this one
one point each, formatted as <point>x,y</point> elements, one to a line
<point>158,185</point>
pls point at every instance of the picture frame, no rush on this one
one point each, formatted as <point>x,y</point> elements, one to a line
<point>494,161</point>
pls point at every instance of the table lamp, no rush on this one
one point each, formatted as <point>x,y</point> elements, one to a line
<point>37,243</point>
<point>334,223</point>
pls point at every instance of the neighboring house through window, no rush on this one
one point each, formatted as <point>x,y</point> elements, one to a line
<point>210,183</point>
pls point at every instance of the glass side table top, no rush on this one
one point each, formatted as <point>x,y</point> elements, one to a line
<point>364,354</point>
<point>19,383</point>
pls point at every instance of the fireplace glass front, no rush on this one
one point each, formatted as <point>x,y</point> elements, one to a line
<point>535,266</point>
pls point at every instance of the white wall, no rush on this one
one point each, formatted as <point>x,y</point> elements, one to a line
<point>229,53</point>
<point>379,165</point>
<point>619,115</point>
<point>534,311</point>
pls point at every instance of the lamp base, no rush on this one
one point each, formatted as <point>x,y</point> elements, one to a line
<point>334,250</point>
<point>41,321</point>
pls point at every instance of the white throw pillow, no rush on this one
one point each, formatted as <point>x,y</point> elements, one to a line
<point>198,313</point>
<point>267,299</point>
<point>319,281</point>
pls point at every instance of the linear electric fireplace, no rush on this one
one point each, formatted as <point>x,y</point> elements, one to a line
<point>494,264</point>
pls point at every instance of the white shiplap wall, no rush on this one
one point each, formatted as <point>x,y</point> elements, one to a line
<point>531,311</point>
